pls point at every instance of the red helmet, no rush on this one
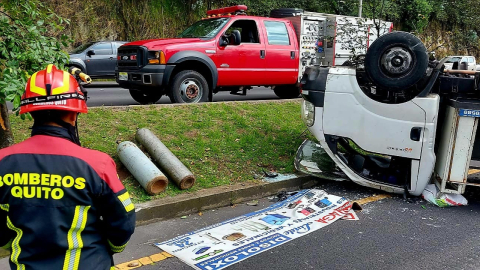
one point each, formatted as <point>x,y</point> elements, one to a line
<point>52,89</point>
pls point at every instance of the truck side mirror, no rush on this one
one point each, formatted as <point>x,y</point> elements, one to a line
<point>223,42</point>
<point>237,37</point>
<point>90,52</point>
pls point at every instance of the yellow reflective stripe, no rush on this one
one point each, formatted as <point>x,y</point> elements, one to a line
<point>127,203</point>
<point>129,207</point>
<point>5,207</point>
<point>117,249</point>
<point>16,250</point>
<point>125,196</point>
<point>65,87</point>
<point>49,68</point>
<point>74,238</point>
<point>35,89</point>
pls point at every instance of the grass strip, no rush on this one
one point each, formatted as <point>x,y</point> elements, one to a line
<point>221,143</point>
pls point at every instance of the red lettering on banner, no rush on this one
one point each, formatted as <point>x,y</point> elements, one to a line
<point>338,212</point>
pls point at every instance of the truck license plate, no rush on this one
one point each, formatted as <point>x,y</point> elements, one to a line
<point>470,113</point>
<point>123,76</point>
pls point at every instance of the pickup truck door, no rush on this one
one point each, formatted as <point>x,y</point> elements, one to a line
<point>244,64</point>
<point>103,61</point>
<point>281,53</point>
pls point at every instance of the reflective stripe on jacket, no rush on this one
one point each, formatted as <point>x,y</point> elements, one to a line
<point>62,206</point>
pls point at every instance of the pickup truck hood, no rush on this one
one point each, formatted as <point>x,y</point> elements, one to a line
<point>154,43</point>
<point>75,55</point>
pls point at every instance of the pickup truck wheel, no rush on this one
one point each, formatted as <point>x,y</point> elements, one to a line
<point>188,86</point>
<point>287,91</point>
<point>396,61</point>
<point>145,97</point>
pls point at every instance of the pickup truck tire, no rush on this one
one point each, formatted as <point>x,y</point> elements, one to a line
<point>145,97</point>
<point>188,86</point>
<point>287,91</point>
<point>396,61</point>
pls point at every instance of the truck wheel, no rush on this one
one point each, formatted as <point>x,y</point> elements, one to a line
<point>287,91</point>
<point>396,61</point>
<point>145,97</point>
<point>188,86</point>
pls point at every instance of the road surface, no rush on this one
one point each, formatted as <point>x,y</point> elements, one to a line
<point>109,94</point>
<point>391,234</point>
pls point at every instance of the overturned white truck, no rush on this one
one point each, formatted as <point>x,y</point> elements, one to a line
<point>395,121</point>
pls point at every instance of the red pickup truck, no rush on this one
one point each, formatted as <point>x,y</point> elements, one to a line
<point>227,51</point>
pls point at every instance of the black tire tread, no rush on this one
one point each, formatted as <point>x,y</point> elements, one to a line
<point>374,54</point>
<point>178,78</point>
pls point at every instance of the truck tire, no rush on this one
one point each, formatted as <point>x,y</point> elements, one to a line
<point>287,91</point>
<point>396,61</point>
<point>285,12</point>
<point>188,86</point>
<point>145,97</point>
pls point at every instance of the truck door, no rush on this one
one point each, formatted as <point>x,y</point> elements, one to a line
<point>244,64</point>
<point>281,54</point>
<point>103,61</point>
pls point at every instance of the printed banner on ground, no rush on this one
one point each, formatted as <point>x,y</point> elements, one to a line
<point>223,244</point>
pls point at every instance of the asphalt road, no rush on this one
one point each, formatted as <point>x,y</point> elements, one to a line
<point>112,95</point>
<point>109,94</point>
<point>391,234</point>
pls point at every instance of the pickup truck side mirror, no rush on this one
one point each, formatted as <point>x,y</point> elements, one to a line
<point>236,37</point>
<point>90,52</point>
<point>223,42</point>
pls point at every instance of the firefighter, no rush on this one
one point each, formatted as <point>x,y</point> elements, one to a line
<point>62,206</point>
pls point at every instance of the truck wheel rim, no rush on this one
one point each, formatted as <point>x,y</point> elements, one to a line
<point>191,90</point>
<point>397,61</point>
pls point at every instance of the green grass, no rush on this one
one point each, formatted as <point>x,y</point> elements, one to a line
<point>221,143</point>
<point>4,253</point>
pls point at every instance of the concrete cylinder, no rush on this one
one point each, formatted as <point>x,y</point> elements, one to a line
<point>142,168</point>
<point>168,162</point>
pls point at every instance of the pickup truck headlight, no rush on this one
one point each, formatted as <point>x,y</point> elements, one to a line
<point>156,58</point>
<point>308,113</point>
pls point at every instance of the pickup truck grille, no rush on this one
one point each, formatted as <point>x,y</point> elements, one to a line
<point>131,57</point>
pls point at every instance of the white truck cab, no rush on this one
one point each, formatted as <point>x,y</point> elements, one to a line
<point>455,62</point>
<point>399,123</point>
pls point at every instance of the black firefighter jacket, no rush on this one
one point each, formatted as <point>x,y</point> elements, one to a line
<point>61,206</point>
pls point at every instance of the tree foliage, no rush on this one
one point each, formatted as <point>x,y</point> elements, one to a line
<point>29,40</point>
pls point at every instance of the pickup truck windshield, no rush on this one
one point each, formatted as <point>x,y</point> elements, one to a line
<point>81,48</point>
<point>204,28</point>
<point>453,60</point>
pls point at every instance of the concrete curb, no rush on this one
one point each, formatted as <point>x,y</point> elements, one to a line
<point>128,107</point>
<point>202,200</point>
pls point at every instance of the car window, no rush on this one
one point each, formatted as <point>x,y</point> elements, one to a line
<point>470,60</point>
<point>103,48</point>
<point>81,48</point>
<point>277,33</point>
<point>204,28</point>
<point>248,30</point>
<point>453,60</point>
<point>464,59</point>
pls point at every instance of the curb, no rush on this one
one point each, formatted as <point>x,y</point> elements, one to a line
<point>184,204</point>
<point>128,107</point>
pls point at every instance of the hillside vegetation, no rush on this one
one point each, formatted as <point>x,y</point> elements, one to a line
<point>446,26</point>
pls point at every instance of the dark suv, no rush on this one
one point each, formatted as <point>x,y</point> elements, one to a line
<point>97,59</point>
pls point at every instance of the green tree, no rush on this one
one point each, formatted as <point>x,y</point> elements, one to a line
<point>27,44</point>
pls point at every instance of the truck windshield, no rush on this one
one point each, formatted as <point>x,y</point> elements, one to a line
<point>81,48</point>
<point>453,60</point>
<point>204,28</point>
